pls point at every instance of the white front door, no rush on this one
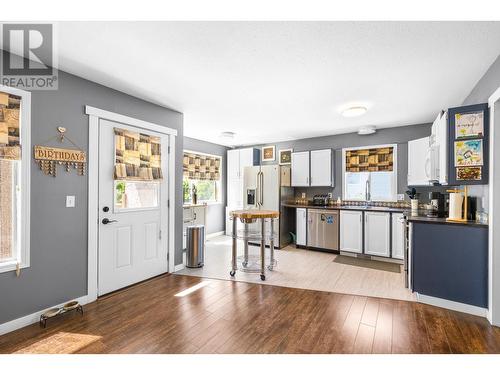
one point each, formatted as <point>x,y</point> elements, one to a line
<point>133,230</point>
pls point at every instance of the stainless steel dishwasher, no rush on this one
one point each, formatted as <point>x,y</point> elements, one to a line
<point>323,229</point>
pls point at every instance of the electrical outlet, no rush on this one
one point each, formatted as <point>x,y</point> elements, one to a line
<point>70,201</point>
<point>303,195</point>
<point>401,197</point>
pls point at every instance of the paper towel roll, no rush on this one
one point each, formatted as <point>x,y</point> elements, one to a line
<point>456,200</point>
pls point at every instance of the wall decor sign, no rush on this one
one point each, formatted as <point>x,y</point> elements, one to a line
<point>469,124</point>
<point>48,157</point>
<point>469,153</point>
<point>137,156</point>
<point>285,156</point>
<point>268,153</point>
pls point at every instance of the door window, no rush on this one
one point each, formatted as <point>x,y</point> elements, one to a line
<point>135,195</point>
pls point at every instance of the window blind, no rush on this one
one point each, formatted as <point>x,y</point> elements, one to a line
<point>137,156</point>
<point>370,160</point>
<point>201,167</point>
<point>10,140</point>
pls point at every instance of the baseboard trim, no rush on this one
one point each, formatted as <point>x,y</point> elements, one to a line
<point>452,305</point>
<point>178,267</point>
<point>34,317</point>
<point>216,234</point>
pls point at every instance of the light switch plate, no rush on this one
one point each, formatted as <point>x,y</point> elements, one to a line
<point>401,197</point>
<point>70,201</point>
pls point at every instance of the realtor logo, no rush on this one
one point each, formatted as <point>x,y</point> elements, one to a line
<point>28,56</point>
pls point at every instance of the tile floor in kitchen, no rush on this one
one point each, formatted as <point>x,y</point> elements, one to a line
<point>305,269</point>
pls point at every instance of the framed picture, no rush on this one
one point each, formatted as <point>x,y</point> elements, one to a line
<point>268,153</point>
<point>469,173</point>
<point>286,156</point>
<point>469,124</point>
<point>469,153</point>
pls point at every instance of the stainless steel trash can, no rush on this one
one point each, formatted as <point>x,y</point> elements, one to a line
<point>195,249</point>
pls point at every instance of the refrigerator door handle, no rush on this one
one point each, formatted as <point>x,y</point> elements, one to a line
<point>257,190</point>
<point>261,188</point>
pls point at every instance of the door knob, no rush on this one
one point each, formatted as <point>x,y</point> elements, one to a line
<point>107,221</point>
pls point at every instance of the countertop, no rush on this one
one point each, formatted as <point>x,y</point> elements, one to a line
<point>421,218</point>
<point>354,208</point>
<point>194,205</point>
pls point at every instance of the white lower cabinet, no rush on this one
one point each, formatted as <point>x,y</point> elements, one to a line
<point>377,233</point>
<point>351,231</point>
<point>301,226</point>
<point>397,236</point>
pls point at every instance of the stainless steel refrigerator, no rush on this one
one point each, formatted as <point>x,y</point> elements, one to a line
<point>263,190</point>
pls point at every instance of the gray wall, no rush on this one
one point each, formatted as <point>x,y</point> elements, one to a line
<point>399,135</point>
<point>486,86</point>
<point>58,270</point>
<point>216,212</point>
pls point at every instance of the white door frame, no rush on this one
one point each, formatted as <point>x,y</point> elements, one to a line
<point>96,114</point>
<point>494,226</point>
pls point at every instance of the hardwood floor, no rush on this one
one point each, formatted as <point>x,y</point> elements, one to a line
<point>236,317</point>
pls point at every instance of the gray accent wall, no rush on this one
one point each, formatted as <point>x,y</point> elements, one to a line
<point>58,270</point>
<point>481,92</point>
<point>400,135</point>
<point>486,86</point>
<point>215,212</point>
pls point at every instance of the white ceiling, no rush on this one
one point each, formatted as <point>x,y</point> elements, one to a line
<point>275,81</point>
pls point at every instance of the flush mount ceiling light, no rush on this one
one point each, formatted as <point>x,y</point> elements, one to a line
<point>354,111</point>
<point>365,130</point>
<point>227,135</point>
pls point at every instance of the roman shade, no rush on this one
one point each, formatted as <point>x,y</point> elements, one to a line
<point>370,160</point>
<point>10,141</point>
<point>201,167</point>
<point>137,156</point>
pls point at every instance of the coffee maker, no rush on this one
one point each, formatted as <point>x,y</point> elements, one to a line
<point>437,205</point>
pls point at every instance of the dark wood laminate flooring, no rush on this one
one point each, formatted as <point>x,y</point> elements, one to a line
<point>237,317</point>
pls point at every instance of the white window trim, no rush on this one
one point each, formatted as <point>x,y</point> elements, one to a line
<point>394,166</point>
<point>220,194</point>
<point>25,123</point>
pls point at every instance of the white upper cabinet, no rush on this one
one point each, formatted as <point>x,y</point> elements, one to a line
<point>237,160</point>
<point>233,164</point>
<point>300,168</point>
<point>419,162</point>
<point>377,233</point>
<point>321,168</point>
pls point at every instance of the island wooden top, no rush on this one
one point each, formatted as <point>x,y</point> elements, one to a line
<point>255,214</point>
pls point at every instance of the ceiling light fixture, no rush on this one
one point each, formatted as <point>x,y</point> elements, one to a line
<point>365,130</point>
<point>227,135</point>
<point>354,111</point>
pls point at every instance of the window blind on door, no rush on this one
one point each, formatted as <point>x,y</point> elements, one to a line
<point>137,156</point>
<point>370,160</point>
<point>201,167</point>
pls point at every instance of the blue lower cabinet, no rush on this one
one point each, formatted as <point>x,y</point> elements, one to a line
<point>450,261</point>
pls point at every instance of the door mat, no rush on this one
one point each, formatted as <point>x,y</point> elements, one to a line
<point>366,263</point>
